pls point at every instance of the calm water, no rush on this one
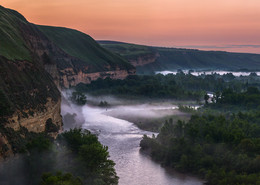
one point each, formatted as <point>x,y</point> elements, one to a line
<point>123,138</point>
<point>197,73</point>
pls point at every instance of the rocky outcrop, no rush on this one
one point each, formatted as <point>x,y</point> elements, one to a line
<point>70,78</point>
<point>142,60</point>
<point>35,121</point>
<point>28,99</point>
<point>53,71</point>
<point>6,148</point>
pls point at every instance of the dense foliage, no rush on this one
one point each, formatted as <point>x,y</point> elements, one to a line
<point>180,86</point>
<point>78,98</point>
<point>76,152</point>
<point>60,179</point>
<point>92,163</point>
<point>143,86</point>
<point>229,99</point>
<point>223,151</point>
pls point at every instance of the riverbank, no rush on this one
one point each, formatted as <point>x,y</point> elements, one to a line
<point>123,139</point>
<point>148,118</point>
<point>147,114</point>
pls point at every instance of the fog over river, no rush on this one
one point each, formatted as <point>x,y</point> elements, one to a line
<point>198,73</point>
<point>123,138</point>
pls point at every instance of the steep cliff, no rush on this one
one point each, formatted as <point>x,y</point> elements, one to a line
<point>34,62</point>
<point>70,78</point>
<point>29,100</point>
<point>88,60</point>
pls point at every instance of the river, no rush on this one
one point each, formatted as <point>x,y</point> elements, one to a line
<point>123,138</point>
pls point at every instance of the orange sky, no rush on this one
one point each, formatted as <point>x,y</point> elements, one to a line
<point>187,23</point>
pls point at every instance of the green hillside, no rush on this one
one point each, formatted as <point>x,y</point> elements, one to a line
<point>26,48</point>
<point>23,80</point>
<point>174,58</point>
<point>129,51</point>
<point>85,48</point>
<point>12,45</point>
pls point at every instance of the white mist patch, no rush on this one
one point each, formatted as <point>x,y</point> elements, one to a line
<point>143,111</point>
<point>198,73</point>
<point>71,113</point>
<point>94,116</point>
<point>110,99</point>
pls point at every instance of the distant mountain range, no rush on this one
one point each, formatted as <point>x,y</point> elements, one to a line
<point>149,59</point>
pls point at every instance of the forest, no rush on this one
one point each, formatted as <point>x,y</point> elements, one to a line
<point>220,150</point>
<point>228,99</point>
<point>181,86</point>
<point>76,157</point>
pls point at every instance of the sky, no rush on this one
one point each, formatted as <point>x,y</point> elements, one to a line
<point>232,25</point>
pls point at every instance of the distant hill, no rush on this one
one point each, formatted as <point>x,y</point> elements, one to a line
<point>149,59</point>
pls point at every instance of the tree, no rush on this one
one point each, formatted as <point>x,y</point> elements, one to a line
<point>206,98</point>
<point>60,179</point>
<point>79,98</point>
<point>91,157</point>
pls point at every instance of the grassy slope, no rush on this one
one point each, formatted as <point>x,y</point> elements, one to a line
<point>174,58</point>
<point>20,75</point>
<point>129,51</point>
<point>12,45</point>
<point>85,48</point>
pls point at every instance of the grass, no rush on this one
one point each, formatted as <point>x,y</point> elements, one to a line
<point>127,50</point>
<point>85,48</point>
<point>12,44</point>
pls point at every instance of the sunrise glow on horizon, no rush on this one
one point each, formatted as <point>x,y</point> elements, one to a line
<point>231,25</point>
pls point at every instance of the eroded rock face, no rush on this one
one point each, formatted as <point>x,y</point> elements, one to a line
<point>144,59</point>
<point>28,99</point>
<point>32,121</point>
<point>36,121</point>
<point>70,78</point>
<point>6,149</point>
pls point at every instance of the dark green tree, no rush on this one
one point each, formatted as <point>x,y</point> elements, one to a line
<point>79,98</point>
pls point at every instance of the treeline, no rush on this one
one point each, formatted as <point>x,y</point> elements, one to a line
<point>178,86</point>
<point>76,157</point>
<point>141,86</point>
<point>229,99</point>
<point>221,150</point>
<point>211,83</point>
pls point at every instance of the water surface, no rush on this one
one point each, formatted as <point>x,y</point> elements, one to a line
<point>123,138</point>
